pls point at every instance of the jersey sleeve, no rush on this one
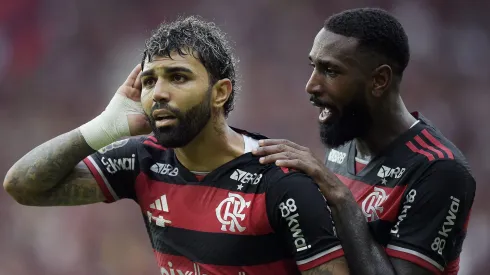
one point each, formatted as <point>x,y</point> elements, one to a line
<point>115,168</point>
<point>299,213</point>
<point>433,217</point>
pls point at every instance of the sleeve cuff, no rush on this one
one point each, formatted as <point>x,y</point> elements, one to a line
<point>414,257</point>
<point>320,258</point>
<point>101,180</point>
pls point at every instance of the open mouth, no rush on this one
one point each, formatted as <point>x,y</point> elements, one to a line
<point>326,111</point>
<point>163,118</point>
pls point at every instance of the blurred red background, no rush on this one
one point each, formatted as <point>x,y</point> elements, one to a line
<point>61,61</point>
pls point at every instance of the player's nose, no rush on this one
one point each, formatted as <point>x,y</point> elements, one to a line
<point>161,92</point>
<point>313,86</point>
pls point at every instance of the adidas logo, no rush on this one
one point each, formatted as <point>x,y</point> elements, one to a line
<point>162,205</point>
<point>164,169</point>
<point>246,177</point>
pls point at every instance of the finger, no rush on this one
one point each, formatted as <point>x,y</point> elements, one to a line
<point>132,76</point>
<point>272,149</point>
<point>267,142</point>
<point>295,164</point>
<point>137,83</point>
<point>272,158</point>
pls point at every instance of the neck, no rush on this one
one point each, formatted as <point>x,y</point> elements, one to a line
<point>388,124</point>
<point>214,146</point>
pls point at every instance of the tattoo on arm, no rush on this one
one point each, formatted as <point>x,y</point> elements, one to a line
<point>78,188</point>
<point>334,267</point>
<point>52,174</point>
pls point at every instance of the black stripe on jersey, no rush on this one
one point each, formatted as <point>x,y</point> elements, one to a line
<point>218,248</point>
<point>245,171</point>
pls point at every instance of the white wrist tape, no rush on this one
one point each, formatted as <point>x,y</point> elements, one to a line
<point>112,123</point>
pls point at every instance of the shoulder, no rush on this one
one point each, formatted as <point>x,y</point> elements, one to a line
<point>131,143</point>
<point>446,174</point>
<point>282,179</point>
<point>139,147</point>
<point>437,155</point>
<point>431,145</point>
<point>428,150</point>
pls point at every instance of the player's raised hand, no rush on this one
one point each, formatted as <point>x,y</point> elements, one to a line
<point>131,89</point>
<point>124,116</point>
<point>285,153</point>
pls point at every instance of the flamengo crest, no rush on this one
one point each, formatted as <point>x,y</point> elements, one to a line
<point>230,212</point>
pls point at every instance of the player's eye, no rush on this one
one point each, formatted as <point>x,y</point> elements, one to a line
<point>149,82</point>
<point>179,78</point>
<point>330,72</point>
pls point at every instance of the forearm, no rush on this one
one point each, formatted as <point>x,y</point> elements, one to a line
<point>364,255</point>
<point>48,164</point>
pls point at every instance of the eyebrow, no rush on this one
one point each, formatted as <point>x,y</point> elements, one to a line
<point>325,63</point>
<point>167,70</point>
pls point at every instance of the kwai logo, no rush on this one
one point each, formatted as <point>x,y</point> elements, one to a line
<point>289,213</point>
<point>114,165</point>
<point>439,242</point>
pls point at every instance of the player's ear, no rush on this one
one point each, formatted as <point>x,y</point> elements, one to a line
<point>221,92</point>
<point>382,77</point>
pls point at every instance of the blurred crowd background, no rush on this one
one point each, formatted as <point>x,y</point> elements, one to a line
<point>61,61</point>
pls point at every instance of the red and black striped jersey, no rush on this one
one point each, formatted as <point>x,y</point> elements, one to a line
<point>242,218</point>
<point>416,195</point>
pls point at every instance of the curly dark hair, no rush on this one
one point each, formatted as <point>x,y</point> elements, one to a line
<point>205,39</point>
<point>377,31</point>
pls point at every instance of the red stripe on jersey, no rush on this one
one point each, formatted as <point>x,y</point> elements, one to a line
<point>321,260</point>
<point>171,264</point>
<point>452,267</point>
<point>419,151</point>
<point>427,146</point>
<point>376,201</point>
<point>437,143</point>
<point>414,259</point>
<point>100,181</point>
<point>202,208</point>
<point>153,144</point>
